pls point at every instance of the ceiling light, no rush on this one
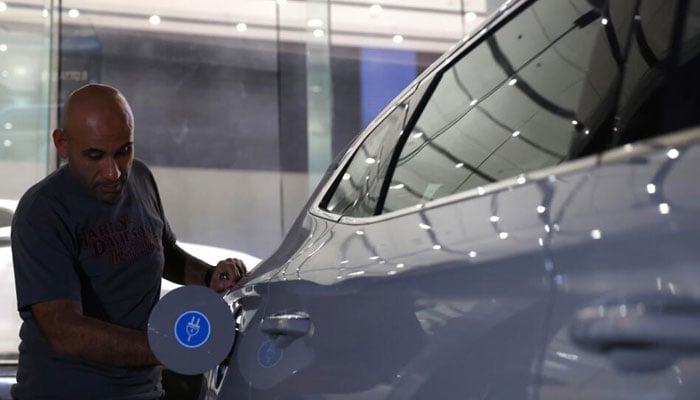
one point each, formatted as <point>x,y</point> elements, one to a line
<point>45,13</point>
<point>74,13</point>
<point>318,33</point>
<point>375,9</point>
<point>154,20</point>
<point>241,27</point>
<point>512,82</point>
<point>281,2</point>
<point>3,47</point>
<point>314,23</point>
<point>470,16</point>
<point>3,6</point>
<point>397,39</point>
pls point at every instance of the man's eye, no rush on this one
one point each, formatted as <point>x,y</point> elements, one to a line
<point>125,150</point>
<point>94,156</point>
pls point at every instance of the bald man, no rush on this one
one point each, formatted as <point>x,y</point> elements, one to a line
<point>90,243</point>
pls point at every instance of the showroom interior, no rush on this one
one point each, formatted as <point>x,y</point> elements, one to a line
<point>240,105</point>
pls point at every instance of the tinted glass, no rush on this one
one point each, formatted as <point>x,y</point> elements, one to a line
<point>661,88</point>
<point>357,192</point>
<point>524,99</point>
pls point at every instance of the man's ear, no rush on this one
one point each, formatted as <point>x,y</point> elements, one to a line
<point>61,142</point>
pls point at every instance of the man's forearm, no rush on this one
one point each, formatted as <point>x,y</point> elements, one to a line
<point>70,332</point>
<point>183,268</point>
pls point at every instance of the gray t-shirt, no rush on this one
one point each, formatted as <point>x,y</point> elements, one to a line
<point>67,245</point>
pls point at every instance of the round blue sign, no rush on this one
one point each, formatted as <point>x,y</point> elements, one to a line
<point>192,329</point>
<point>269,355</point>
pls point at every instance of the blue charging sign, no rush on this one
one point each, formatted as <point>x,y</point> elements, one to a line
<point>192,329</point>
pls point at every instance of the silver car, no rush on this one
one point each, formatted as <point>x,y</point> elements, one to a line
<point>522,222</point>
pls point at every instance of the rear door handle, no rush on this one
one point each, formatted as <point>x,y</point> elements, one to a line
<point>640,336</point>
<point>284,328</point>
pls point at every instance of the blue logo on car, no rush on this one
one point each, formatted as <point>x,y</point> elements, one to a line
<point>192,329</point>
<point>268,354</point>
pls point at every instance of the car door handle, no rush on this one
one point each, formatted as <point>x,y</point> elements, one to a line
<point>284,328</point>
<point>640,336</point>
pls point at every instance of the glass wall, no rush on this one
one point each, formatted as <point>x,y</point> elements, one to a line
<point>26,110</point>
<point>239,104</point>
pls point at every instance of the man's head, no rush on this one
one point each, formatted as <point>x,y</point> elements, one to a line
<point>97,139</point>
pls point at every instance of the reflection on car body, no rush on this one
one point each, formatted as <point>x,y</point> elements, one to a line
<point>521,222</point>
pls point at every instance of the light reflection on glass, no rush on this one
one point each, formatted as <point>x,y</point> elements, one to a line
<point>604,21</point>
<point>521,180</point>
<point>374,258</point>
<point>664,208</point>
<point>437,247</point>
<point>74,13</point>
<point>473,102</point>
<point>494,218</point>
<point>596,234</point>
<point>359,233</point>
<point>346,176</point>
<point>314,23</point>
<point>241,27</point>
<point>154,20</point>
<point>503,235</point>
<point>473,254</point>
<point>673,154</point>
<point>516,134</point>
<point>424,226</point>
<point>512,82</point>
<point>541,209</point>
<point>651,188</point>
<point>397,186</point>
<point>399,266</point>
<point>459,165</point>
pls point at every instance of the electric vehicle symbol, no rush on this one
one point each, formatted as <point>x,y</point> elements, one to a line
<point>192,329</point>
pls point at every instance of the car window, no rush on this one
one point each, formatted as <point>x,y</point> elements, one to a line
<point>356,193</point>
<point>523,99</point>
<point>661,88</point>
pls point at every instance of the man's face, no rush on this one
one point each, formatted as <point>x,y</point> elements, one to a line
<point>99,147</point>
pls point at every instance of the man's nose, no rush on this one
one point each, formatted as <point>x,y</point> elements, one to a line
<point>110,170</point>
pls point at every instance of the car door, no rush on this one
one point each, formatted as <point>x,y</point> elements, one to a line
<point>627,315</point>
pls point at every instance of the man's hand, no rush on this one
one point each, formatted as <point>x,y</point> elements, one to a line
<point>227,273</point>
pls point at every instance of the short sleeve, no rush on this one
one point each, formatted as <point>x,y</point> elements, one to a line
<point>43,255</point>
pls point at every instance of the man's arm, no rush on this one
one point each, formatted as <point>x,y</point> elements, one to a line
<point>185,269</point>
<point>70,332</point>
